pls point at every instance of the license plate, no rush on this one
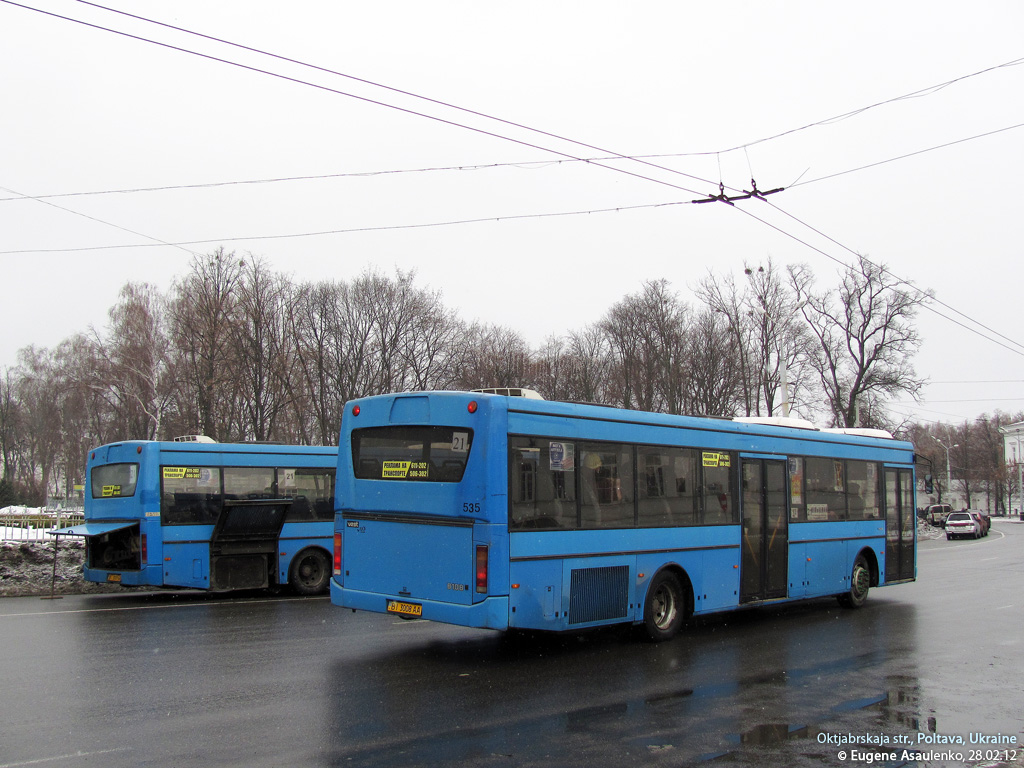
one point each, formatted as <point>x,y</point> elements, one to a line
<point>115,577</point>
<point>405,609</point>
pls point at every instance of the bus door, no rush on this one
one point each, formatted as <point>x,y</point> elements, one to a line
<point>764,564</point>
<point>243,545</point>
<point>900,524</point>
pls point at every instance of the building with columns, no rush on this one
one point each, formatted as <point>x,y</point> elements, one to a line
<point>1013,455</point>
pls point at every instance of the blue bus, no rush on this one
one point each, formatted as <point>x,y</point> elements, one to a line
<point>488,510</point>
<point>216,516</point>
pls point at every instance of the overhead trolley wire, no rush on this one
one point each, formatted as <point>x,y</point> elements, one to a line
<point>722,197</point>
<point>592,160</point>
<point>469,167</point>
<point>156,240</point>
<point>376,102</point>
<point>910,285</point>
<point>920,93</point>
<point>904,157</point>
<point>902,280</point>
<point>351,230</point>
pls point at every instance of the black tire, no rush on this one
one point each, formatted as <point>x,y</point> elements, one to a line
<point>665,607</point>
<point>860,585</point>
<point>310,573</point>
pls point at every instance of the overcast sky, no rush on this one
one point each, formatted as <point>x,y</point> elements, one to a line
<point>86,110</point>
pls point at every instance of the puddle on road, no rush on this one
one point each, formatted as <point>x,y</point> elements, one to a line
<point>896,707</point>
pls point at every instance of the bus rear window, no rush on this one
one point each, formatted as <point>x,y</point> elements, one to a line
<point>430,454</point>
<point>114,480</point>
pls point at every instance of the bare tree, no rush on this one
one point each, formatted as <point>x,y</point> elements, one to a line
<point>865,336</point>
<point>725,297</point>
<point>590,366</point>
<point>314,321</point>
<point>771,343</point>
<point>715,382</point>
<point>498,357</point>
<point>262,352</point>
<point>10,424</point>
<point>41,428</point>
<point>646,332</point>
<point>202,313</point>
<point>130,367</point>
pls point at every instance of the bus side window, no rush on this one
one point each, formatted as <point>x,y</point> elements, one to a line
<point>719,506</point>
<point>311,491</point>
<point>249,482</point>
<point>190,496</point>
<point>606,485</point>
<point>541,484</point>
<point>862,490</point>
<point>826,490</point>
<point>666,491</point>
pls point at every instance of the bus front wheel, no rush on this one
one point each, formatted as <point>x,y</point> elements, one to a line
<point>665,607</point>
<point>860,584</point>
<point>310,572</point>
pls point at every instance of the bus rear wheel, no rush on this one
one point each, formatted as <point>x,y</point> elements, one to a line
<point>860,585</point>
<point>310,574</point>
<point>665,607</point>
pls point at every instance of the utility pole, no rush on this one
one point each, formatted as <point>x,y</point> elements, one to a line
<point>949,475</point>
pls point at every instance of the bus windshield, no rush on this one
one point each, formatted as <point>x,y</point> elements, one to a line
<point>431,454</point>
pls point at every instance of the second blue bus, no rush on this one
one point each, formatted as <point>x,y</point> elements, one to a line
<point>204,515</point>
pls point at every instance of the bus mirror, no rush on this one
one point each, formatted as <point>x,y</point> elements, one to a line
<point>929,486</point>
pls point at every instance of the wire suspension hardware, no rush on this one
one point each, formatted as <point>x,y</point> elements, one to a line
<point>721,197</point>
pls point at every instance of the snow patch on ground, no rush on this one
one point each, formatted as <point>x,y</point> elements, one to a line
<point>27,568</point>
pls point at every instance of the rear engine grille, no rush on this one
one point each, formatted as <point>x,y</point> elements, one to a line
<point>598,594</point>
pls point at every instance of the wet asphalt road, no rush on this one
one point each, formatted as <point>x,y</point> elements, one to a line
<point>176,679</point>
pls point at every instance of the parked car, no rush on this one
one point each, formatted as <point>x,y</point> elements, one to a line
<point>960,524</point>
<point>937,514</point>
<point>983,520</point>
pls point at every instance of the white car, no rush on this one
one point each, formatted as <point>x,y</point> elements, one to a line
<point>962,524</point>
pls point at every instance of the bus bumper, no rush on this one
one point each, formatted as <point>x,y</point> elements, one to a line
<point>490,613</point>
<point>150,576</point>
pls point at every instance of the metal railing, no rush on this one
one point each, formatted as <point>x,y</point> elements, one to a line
<point>33,526</point>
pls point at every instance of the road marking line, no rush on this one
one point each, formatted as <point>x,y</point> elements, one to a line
<point>156,607</point>
<point>42,760</point>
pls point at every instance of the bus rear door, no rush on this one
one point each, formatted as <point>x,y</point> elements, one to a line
<point>764,563</point>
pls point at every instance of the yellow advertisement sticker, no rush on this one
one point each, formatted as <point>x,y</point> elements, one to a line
<point>715,459</point>
<point>395,470</point>
<point>180,473</point>
<point>405,470</point>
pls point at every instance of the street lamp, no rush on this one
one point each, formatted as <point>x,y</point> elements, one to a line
<point>949,476</point>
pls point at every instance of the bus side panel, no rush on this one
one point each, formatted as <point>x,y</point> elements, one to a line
<point>822,554</point>
<point>717,585</point>
<point>296,537</point>
<point>535,600</point>
<point>186,554</point>
<point>797,568</point>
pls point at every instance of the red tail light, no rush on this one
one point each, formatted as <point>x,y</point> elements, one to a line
<point>481,568</point>
<point>337,554</point>
<point>144,550</point>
